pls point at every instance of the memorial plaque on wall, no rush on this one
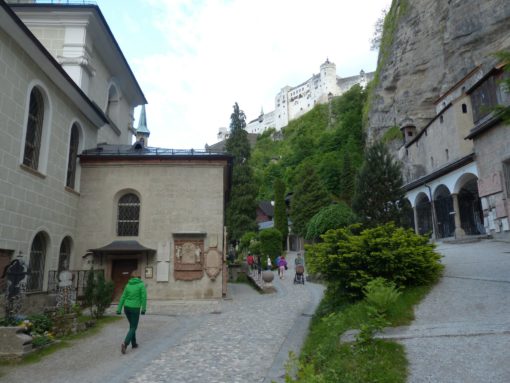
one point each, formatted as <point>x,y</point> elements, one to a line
<point>188,259</point>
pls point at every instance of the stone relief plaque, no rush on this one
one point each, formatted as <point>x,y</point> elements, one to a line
<point>213,263</point>
<point>188,259</point>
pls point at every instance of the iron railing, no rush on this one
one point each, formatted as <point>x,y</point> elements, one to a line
<point>57,2</point>
<point>79,280</point>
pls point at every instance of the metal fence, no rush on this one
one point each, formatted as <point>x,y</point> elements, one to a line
<point>79,280</point>
<point>63,2</point>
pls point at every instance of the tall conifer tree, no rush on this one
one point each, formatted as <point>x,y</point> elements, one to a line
<point>241,209</point>
<point>310,195</point>
<point>378,195</point>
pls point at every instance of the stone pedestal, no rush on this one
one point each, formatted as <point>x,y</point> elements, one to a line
<point>14,343</point>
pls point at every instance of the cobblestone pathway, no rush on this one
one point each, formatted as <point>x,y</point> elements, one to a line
<point>245,339</point>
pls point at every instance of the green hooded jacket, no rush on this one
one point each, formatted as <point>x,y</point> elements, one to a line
<point>134,295</point>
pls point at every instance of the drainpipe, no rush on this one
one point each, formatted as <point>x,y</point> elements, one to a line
<point>433,211</point>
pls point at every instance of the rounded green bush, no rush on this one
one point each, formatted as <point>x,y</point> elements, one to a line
<point>330,217</point>
<point>348,261</point>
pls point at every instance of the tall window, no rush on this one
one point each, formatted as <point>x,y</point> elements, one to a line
<point>73,153</point>
<point>34,129</point>
<point>36,265</point>
<point>64,256</point>
<point>128,216</point>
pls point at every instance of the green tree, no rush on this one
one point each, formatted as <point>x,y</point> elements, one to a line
<point>378,193</point>
<point>330,217</point>
<point>504,110</point>
<point>280,210</point>
<point>309,197</point>
<point>270,243</point>
<point>348,174</point>
<point>241,209</point>
<point>98,293</point>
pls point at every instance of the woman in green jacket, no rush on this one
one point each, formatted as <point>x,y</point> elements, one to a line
<point>134,301</point>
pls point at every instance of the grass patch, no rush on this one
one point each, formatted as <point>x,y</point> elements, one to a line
<point>63,342</point>
<point>325,359</point>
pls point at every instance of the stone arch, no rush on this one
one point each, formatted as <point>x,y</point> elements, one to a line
<point>443,206</point>
<point>469,204</point>
<point>423,213</point>
<point>37,256</point>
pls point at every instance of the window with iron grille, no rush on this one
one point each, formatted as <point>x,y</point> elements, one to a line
<point>36,265</point>
<point>128,215</point>
<point>34,129</point>
<point>64,256</point>
<point>73,153</point>
<point>506,174</point>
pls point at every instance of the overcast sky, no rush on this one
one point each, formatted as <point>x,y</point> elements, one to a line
<point>195,58</point>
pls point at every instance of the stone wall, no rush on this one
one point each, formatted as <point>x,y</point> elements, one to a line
<point>34,201</point>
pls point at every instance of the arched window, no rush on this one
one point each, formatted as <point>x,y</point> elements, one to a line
<point>73,154</point>
<point>36,265</point>
<point>112,107</point>
<point>128,215</point>
<point>34,129</point>
<point>64,256</point>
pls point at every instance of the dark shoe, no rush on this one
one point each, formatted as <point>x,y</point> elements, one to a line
<point>135,345</point>
<point>123,348</point>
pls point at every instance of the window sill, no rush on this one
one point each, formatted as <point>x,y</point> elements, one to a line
<point>72,191</point>
<point>32,171</point>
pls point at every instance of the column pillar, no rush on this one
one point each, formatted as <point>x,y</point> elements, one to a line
<point>459,232</point>
<point>415,213</point>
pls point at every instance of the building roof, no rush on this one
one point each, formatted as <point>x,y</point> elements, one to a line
<point>267,208</point>
<point>123,247</point>
<point>137,151</point>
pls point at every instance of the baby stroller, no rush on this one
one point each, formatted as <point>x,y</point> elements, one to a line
<point>300,274</point>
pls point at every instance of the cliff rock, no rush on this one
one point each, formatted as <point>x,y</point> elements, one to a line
<point>435,44</point>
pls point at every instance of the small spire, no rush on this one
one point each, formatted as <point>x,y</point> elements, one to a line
<point>142,124</point>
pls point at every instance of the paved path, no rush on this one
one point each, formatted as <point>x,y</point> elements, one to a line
<point>245,339</point>
<point>462,328</point>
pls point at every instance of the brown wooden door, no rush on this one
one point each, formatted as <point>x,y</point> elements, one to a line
<point>121,269</point>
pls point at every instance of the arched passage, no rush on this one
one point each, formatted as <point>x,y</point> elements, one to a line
<point>443,204</point>
<point>470,207</point>
<point>424,214</point>
<point>407,214</point>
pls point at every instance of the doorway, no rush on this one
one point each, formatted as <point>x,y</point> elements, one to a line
<point>121,270</point>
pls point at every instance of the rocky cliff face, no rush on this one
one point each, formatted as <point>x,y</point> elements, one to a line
<point>435,44</point>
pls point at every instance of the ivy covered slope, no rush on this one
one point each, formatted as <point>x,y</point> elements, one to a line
<point>329,139</point>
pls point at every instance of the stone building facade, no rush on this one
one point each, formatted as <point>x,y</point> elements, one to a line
<point>455,168</point>
<point>67,94</point>
<point>293,102</point>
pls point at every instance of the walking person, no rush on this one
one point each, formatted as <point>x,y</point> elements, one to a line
<point>269,265</point>
<point>259,266</point>
<point>282,266</point>
<point>134,301</point>
<point>277,264</point>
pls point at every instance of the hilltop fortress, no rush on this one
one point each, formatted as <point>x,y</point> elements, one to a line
<point>293,102</point>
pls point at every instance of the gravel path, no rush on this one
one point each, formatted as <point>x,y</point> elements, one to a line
<point>243,339</point>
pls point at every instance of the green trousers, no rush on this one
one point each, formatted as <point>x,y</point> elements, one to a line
<point>133,316</point>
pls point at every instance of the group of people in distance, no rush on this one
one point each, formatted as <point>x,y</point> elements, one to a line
<point>255,263</point>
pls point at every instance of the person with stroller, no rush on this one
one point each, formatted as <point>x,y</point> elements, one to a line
<point>282,266</point>
<point>300,270</point>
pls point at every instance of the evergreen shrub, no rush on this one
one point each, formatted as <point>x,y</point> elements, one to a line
<point>348,260</point>
<point>98,293</point>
